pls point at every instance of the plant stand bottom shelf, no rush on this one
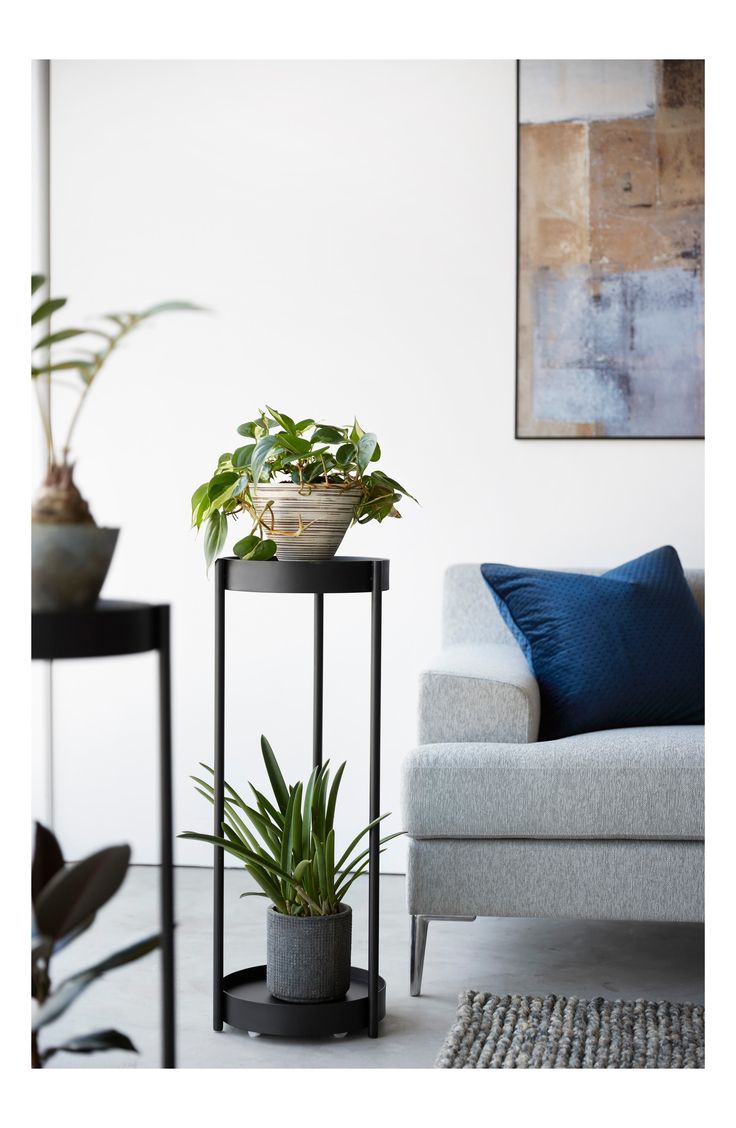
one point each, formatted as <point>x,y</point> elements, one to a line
<point>248,1005</point>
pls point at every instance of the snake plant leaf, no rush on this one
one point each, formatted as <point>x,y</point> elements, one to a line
<point>46,309</point>
<point>244,854</point>
<point>48,859</point>
<point>346,854</point>
<point>331,802</point>
<point>92,1043</point>
<point>278,784</point>
<point>351,865</point>
<point>76,893</point>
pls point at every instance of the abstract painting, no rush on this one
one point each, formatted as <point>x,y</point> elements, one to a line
<point>610,249</point>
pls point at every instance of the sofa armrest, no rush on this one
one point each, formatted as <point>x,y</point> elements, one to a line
<point>478,692</point>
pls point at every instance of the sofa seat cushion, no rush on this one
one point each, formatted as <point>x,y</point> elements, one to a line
<point>621,783</point>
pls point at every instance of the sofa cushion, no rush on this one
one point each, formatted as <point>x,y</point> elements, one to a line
<point>622,783</point>
<point>621,649</point>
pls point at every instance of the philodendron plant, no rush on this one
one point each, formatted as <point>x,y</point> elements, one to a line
<point>53,359</point>
<point>288,846</point>
<point>65,901</point>
<point>306,454</point>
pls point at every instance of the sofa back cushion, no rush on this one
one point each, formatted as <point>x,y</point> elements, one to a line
<point>623,648</point>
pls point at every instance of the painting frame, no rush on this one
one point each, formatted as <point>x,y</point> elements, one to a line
<point>518,434</point>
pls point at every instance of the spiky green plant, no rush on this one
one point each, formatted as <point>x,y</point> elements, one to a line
<point>289,846</point>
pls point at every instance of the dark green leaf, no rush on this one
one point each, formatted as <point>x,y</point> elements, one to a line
<point>248,430</point>
<point>253,548</point>
<point>393,483</point>
<point>346,455</point>
<point>46,309</point>
<point>303,424</point>
<point>74,894</point>
<point>48,860</point>
<point>325,434</point>
<point>93,1043</point>
<point>72,987</point>
<point>37,281</point>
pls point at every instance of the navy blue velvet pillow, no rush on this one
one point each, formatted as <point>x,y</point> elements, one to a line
<point>613,651</point>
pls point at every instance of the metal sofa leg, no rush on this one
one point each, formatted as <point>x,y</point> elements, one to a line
<point>419,926</point>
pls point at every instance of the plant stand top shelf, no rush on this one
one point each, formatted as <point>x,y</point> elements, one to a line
<point>317,577</point>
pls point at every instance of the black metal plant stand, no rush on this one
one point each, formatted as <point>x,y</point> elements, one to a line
<point>241,998</point>
<point>109,628</point>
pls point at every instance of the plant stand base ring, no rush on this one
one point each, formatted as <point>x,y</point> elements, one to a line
<point>248,1005</point>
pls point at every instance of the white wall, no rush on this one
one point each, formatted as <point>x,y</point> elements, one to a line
<point>352,227</point>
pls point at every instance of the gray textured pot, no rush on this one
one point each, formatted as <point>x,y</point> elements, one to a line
<point>308,958</point>
<point>70,563</point>
<point>325,509</point>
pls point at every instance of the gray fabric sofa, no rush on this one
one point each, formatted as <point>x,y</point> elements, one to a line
<point>603,826</point>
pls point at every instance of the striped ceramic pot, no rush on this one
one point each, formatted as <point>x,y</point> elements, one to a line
<point>307,522</point>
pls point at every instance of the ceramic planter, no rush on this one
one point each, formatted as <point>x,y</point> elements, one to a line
<point>323,512</point>
<point>70,563</point>
<point>308,958</point>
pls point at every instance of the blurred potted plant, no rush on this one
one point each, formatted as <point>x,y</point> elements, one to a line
<point>300,483</point>
<point>65,901</point>
<point>288,849</point>
<point>71,554</point>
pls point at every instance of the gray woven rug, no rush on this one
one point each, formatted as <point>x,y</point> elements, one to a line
<point>523,1032</point>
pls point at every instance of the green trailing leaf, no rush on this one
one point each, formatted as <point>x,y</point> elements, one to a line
<point>303,454</point>
<point>37,281</point>
<point>253,548</point>
<point>215,535</point>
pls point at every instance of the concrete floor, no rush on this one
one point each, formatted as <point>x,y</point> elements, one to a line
<point>624,960</point>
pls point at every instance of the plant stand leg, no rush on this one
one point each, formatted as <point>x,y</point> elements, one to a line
<point>167,845</point>
<point>319,665</point>
<point>219,807</point>
<point>375,803</point>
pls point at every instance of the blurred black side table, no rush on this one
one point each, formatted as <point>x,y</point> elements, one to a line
<point>109,628</point>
